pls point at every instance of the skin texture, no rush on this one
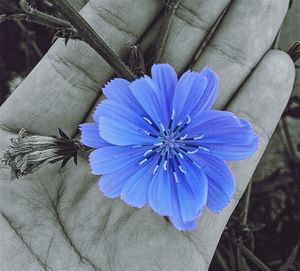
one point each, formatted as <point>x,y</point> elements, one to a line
<point>58,219</point>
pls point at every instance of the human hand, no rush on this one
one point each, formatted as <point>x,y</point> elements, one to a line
<point>57,218</point>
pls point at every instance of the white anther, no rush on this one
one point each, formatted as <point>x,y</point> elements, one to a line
<point>173,114</point>
<point>155,169</point>
<point>142,162</point>
<point>198,137</point>
<point>179,123</point>
<point>147,152</point>
<point>149,121</point>
<point>176,177</point>
<point>162,127</point>
<point>158,144</point>
<point>180,155</point>
<point>193,152</point>
<point>184,137</point>
<point>165,165</point>
<point>146,132</point>
<point>182,170</point>
<point>188,119</point>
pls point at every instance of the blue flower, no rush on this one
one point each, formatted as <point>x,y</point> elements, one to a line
<point>158,142</point>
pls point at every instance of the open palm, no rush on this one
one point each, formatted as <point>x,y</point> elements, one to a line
<point>57,219</point>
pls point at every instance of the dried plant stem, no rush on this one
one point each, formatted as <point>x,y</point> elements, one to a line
<point>250,255</point>
<point>170,8</point>
<point>92,38</point>
<point>36,16</point>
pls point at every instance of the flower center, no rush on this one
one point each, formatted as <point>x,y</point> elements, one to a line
<point>173,146</point>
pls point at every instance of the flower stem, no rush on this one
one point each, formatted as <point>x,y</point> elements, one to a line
<point>36,16</point>
<point>170,8</point>
<point>92,38</point>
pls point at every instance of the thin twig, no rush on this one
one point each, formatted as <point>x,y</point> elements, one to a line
<point>89,35</point>
<point>250,255</point>
<point>170,8</point>
<point>246,204</point>
<point>222,260</point>
<point>289,144</point>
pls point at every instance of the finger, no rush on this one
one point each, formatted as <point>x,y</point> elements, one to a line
<point>244,35</point>
<point>64,85</point>
<point>261,101</point>
<point>190,24</point>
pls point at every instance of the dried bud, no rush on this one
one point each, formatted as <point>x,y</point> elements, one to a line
<point>136,60</point>
<point>28,153</point>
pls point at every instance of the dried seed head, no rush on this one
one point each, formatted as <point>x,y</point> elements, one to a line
<point>28,153</point>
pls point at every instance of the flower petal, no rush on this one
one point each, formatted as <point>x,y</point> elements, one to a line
<point>221,127</point>
<point>176,217</point>
<point>145,90</point>
<point>109,159</point>
<point>187,94</point>
<point>166,78</point>
<point>112,184</point>
<point>90,136</point>
<point>232,152</point>
<point>135,191</point>
<point>197,180</point>
<point>159,193</point>
<point>123,132</point>
<point>221,184</point>
<point>112,109</point>
<point>118,91</point>
<point>210,93</point>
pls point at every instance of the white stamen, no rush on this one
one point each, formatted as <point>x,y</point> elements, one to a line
<point>179,123</point>
<point>155,169</point>
<point>149,121</point>
<point>184,137</point>
<point>180,155</point>
<point>198,137</point>
<point>188,119</point>
<point>173,114</point>
<point>146,132</point>
<point>176,177</point>
<point>165,165</point>
<point>193,152</point>
<point>147,152</point>
<point>142,162</point>
<point>182,170</point>
<point>158,144</point>
<point>162,127</point>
